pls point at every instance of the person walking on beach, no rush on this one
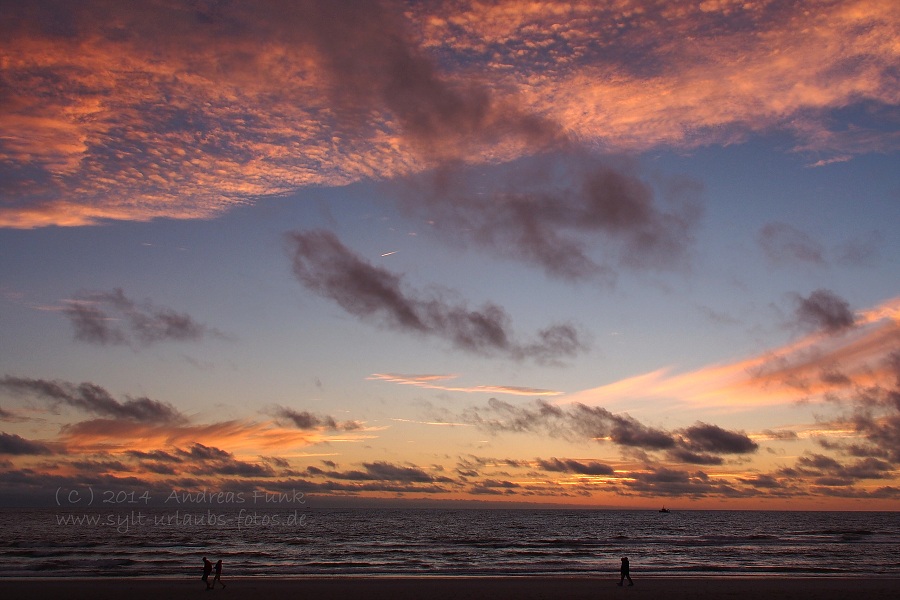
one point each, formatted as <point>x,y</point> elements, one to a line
<point>207,569</point>
<point>624,572</point>
<point>218,576</point>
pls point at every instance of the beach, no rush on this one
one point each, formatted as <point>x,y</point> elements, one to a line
<point>458,588</point>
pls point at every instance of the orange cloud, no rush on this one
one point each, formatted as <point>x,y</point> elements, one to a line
<point>238,436</point>
<point>808,368</point>
<point>156,113</point>
<point>707,73</point>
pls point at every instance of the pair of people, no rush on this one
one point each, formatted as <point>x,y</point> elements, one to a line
<point>207,571</point>
<point>625,572</point>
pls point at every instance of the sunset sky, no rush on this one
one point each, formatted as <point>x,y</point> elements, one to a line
<point>615,254</point>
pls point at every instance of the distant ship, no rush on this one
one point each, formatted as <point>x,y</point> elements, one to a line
<point>664,510</point>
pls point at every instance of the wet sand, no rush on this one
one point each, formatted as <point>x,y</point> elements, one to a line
<point>459,588</point>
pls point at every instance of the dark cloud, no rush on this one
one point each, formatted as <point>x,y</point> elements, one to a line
<point>863,251</point>
<point>669,482</point>
<point>712,438</point>
<point>238,468</point>
<point>159,468</point>
<point>106,429</point>
<point>199,459</point>
<point>575,422</point>
<point>472,466</point>
<point>344,487</point>
<point>767,482</point>
<point>525,212</point>
<point>834,378</point>
<point>100,466</point>
<point>199,452</point>
<point>874,413</point>
<point>627,431</point>
<point>27,487</point>
<point>595,422</point>
<point>94,399</point>
<point>699,444</point>
<point>15,445</point>
<point>93,324</point>
<point>324,265</point>
<point>869,468</point>
<point>826,470</point>
<point>494,487</point>
<point>500,416</point>
<point>684,455</point>
<point>157,455</point>
<point>9,417</point>
<point>375,65</point>
<point>388,472</point>
<point>569,465</point>
<point>785,244</point>
<point>825,310</point>
<point>856,450</point>
<point>380,471</point>
<point>786,435</point>
<point>307,420</point>
<point>110,318</point>
<point>277,461</point>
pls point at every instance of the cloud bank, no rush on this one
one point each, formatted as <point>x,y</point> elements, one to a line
<point>186,110</point>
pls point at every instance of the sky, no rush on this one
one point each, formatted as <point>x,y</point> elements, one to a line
<point>596,254</point>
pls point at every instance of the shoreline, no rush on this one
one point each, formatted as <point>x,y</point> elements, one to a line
<point>476,576</point>
<point>453,588</point>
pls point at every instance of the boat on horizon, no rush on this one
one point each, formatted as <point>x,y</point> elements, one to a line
<point>664,510</point>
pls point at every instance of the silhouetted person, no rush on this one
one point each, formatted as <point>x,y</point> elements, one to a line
<point>218,576</point>
<point>207,569</point>
<point>624,572</point>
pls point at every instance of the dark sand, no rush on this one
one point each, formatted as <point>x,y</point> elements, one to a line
<point>458,588</point>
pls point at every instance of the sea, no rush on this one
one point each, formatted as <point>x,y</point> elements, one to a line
<point>299,542</point>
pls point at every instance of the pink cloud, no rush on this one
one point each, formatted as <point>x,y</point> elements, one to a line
<point>430,382</point>
<point>171,112</point>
